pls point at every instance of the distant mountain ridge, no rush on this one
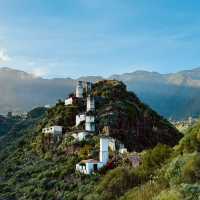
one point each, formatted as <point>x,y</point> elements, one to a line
<point>172,95</point>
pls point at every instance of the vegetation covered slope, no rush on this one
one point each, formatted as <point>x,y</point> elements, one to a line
<point>179,177</point>
<point>33,168</point>
<point>132,122</point>
<point>6,123</point>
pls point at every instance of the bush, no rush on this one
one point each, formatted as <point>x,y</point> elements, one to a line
<point>191,191</point>
<point>191,170</point>
<point>37,112</point>
<point>85,151</point>
<point>191,141</point>
<point>169,195</point>
<point>145,192</point>
<point>153,159</point>
<point>183,168</point>
<point>117,182</point>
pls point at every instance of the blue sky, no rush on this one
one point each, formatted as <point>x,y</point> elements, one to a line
<point>72,38</point>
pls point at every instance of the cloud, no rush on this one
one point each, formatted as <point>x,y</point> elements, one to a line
<point>39,72</point>
<point>4,56</point>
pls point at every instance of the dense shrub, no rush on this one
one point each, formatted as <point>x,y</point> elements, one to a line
<point>183,168</point>
<point>155,158</point>
<point>191,191</point>
<point>191,170</point>
<point>117,182</point>
<point>169,195</point>
<point>37,112</point>
<point>191,141</point>
<point>144,192</point>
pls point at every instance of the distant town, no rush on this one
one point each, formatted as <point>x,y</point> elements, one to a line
<point>183,125</point>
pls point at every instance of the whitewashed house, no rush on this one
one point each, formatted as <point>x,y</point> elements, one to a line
<point>55,131</point>
<point>80,118</point>
<point>91,165</point>
<point>123,150</point>
<point>69,101</point>
<point>90,103</point>
<point>88,166</point>
<point>80,136</point>
<point>90,123</point>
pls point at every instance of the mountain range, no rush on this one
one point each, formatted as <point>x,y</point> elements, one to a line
<point>175,95</point>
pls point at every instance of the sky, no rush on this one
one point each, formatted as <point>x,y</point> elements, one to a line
<point>73,38</point>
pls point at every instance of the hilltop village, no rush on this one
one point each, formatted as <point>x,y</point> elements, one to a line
<point>101,142</point>
<point>107,123</point>
<point>100,123</point>
<point>85,124</point>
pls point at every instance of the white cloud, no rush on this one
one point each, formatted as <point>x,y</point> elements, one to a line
<point>4,56</point>
<point>39,72</point>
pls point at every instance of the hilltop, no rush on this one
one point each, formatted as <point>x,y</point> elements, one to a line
<point>129,120</point>
<point>132,122</point>
<point>32,167</point>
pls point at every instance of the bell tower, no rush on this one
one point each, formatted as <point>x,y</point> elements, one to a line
<point>90,103</point>
<point>104,153</point>
<point>79,89</point>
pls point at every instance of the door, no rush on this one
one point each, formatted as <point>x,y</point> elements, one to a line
<point>95,167</point>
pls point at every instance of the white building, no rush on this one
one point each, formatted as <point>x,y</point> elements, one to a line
<point>69,101</point>
<point>79,89</point>
<point>112,144</point>
<point>80,118</point>
<point>88,87</point>
<point>104,153</point>
<point>83,86</point>
<point>123,150</point>
<point>90,103</point>
<point>90,123</point>
<point>91,165</point>
<point>47,106</point>
<point>80,136</point>
<point>116,145</point>
<point>55,131</point>
<point>88,166</point>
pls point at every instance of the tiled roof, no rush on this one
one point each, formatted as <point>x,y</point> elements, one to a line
<point>89,161</point>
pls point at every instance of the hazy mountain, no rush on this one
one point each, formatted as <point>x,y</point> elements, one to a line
<point>173,95</point>
<point>22,91</point>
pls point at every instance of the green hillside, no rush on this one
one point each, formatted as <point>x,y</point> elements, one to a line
<point>6,124</point>
<point>179,177</point>
<point>33,168</point>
